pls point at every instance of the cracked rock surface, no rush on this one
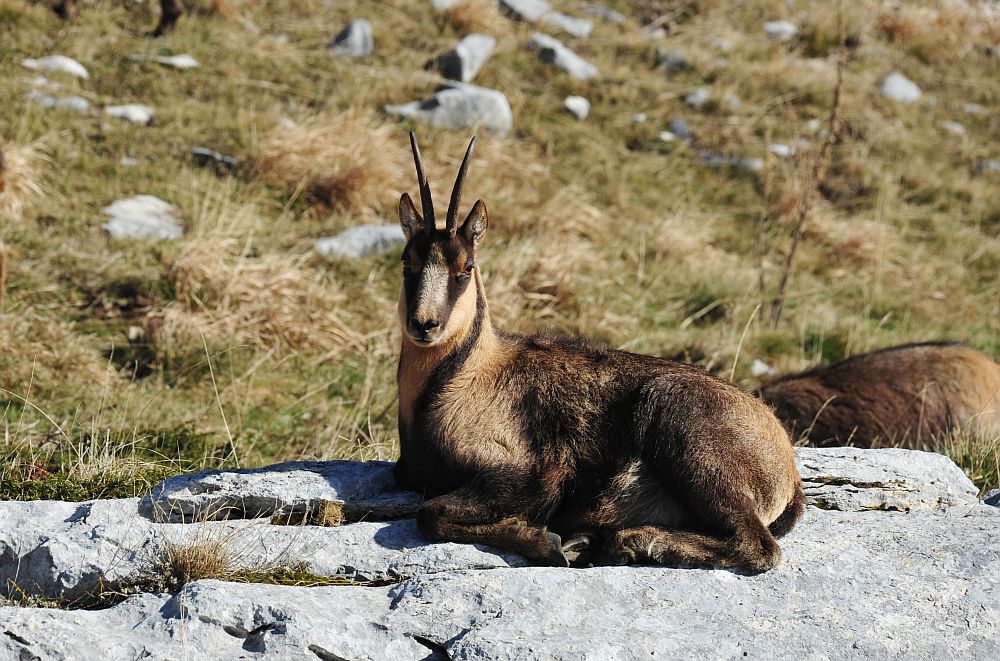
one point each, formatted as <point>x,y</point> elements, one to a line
<point>896,558</point>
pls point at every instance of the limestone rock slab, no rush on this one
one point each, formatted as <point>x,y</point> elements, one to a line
<point>461,106</point>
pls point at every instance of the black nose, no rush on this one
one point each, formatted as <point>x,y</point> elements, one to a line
<point>423,328</point>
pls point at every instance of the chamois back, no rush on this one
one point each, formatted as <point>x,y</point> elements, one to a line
<point>906,396</point>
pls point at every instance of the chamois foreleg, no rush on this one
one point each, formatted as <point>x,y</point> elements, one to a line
<point>752,548</point>
<point>498,510</point>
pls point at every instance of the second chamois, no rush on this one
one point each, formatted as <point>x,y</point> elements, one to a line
<point>524,441</point>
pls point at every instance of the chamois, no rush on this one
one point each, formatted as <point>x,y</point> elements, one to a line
<point>522,441</point>
<point>906,396</point>
<point>170,11</point>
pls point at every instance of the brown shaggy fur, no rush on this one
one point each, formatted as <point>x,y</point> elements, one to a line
<point>170,11</point>
<point>908,396</point>
<point>522,441</point>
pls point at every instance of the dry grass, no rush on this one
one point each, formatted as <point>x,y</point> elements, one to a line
<point>954,28</point>
<point>20,179</point>
<point>467,16</point>
<point>338,160</point>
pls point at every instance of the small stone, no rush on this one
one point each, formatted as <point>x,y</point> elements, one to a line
<point>465,60</point>
<point>639,118</point>
<point>698,98</point>
<point>780,30</point>
<point>986,166</point>
<point>759,368</point>
<point>974,109</point>
<point>680,129</point>
<point>361,241</point>
<point>355,40</point>
<point>658,32</point>
<point>527,10</point>
<point>142,217</point>
<point>675,62</point>
<point>133,112</point>
<point>606,13</point>
<point>992,498</point>
<point>813,125</point>
<point>57,63</point>
<point>552,51</point>
<point>780,150</point>
<point>128,162</point>
<point>209,157</point>
<point>578,106</point>
<point>899,88</point>
<point>667,136</point>
<point>76,103</point>
<point>578,27</point>
<point>719,161</point>
<point>722,44</point>
<point>461,106</point>
<point>952,127</point>
<point>732,103</point>
<point>179,61</point>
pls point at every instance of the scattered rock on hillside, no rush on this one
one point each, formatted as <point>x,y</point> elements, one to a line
<point>606,13</point>
<point>899,88</point>
<point>210,158</point>
<point>986,166</point>
<point>461,106</point>
<point>552,51</point>
<point>355,40</point>
<point>57,63</point>
<point>465,60</point>
<point>722,44</point>
<point>698,97</point>
<point>361,241</point>
<point>443,5</point>
<point>780,30</point>
<point>142,217</point>
<point>781,150</point>
<point>182,61</point>
<point>675,62</point>
<point>527,10</point>
<point>759,368</point>
<point>71,102</point>
<point>133,112</point>
<point>639,118</point>
<point>578,106</point>
<point>992,498</point>
<point>732,103</point>
<point>719,161</point>
<point>578,27</point>
<point>974,109</point>
<point>952,127</point>
<point>680,129</point>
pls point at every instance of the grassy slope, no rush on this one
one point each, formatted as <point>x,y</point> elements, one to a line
<point>235,346</point>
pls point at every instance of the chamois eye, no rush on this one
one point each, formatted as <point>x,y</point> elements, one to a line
<point>464,275</point>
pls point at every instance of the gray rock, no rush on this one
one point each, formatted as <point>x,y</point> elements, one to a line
<point>698,97</point>
<point>992,498</point>
<point>738,161</point>
<point>578,27</point>
<point>606,13</point>
<point>899,88</point>
<point>361,241</point>
<point>639,118</point>
<point>848,479</point>
<point>527,10</point>
<point>142,217</point>
<point>365,489</point>
<point>865,585</point>
<point>443,5</point>
<point>57,63</point>
<point>974,109</point>
<point>461,106</point>
<point>986,166</point>
<point>680,129</point>
<point>732,103</point>
<point>722,44</point>
<point>552,51</point>
<point>465,60</point>
<point>780,150</point>
<point>780,30</point>
<point>675,62</point>
<point>132,112</point>
<point>71,102</point>
<point>952,127</point>
<point>578,106</point>
<point>206,157</point>
<point>355,40</point>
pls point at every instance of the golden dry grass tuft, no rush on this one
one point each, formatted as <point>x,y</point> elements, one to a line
<point>467,16</point>
<point>337,160</point>
<point>953,27</point>
<point>20,179</point>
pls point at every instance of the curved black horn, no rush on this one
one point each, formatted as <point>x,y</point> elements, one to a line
<point>425,190</point>
<point>456,192</point>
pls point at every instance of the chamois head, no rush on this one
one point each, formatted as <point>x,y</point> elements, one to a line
<point>438,296</point>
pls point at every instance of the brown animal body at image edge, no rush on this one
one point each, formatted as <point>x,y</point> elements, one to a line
<point>907,396</point>
<point>170,11</point>
<point>522,441</point>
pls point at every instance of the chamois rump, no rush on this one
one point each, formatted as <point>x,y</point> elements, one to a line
<point>170,11</point>
<point>910,396</point>
<point>524,441</point>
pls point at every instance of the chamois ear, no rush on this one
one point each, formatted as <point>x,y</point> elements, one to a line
<point>409,219</point>
<point>475,224</point>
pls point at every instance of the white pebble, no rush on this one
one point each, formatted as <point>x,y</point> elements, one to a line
<point>57,63</point>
